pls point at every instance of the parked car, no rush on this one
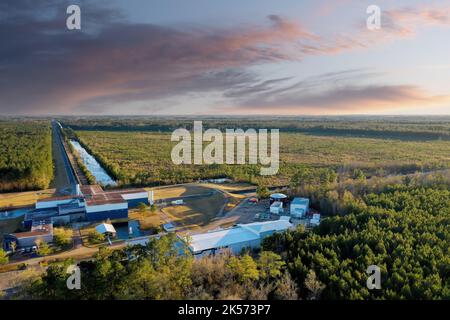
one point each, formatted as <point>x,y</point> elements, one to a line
<point>253,200</point>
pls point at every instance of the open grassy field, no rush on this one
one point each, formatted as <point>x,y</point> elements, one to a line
<point>179,191</point>
<point>21,199</point>
<point>147,220</point>
<point>144,157</point>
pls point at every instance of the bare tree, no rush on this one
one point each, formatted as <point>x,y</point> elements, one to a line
<point>313,285</point>
<point>286,288</point>
<point>13,246</point>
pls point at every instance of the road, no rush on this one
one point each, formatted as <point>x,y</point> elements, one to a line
<point>64,177</point>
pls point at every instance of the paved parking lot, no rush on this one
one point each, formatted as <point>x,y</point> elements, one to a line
<point>245,212</point>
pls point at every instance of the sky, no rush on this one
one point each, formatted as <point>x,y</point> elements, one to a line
<point>224,57</point>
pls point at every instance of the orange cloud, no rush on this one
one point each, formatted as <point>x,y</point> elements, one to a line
<point>346,100</point>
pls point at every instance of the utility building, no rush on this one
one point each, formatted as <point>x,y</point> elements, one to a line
<point>276,207</point>
<point>299,207</point>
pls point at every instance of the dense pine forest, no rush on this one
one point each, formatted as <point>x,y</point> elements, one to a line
<point>404,230</point>
<point>25,155</point>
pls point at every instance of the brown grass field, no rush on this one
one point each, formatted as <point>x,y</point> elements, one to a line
<point>179,191</point>
<point>147,220</point>
<point>22,199</point>
<point>196,213</point>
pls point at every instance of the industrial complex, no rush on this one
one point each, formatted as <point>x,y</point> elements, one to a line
<point>89,203</point>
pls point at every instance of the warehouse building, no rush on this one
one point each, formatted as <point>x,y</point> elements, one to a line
<point>276,208</point>
<point>40,231</point>
<point>131,196</point>
<point>235,239</point>
<point>90,203</point>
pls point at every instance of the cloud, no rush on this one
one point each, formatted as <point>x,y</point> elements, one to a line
<point>48,69</point>
<point>347,99</point>
<point>407,20</point>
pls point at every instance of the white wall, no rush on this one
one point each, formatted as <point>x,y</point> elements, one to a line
<point>107,207</point>
<point>51,204</point>
<point>235,248</point>
<point>138,195</point>
<point>31,241</point>
<point>294,207</point>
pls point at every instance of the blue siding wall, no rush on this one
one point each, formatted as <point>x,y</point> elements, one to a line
<point>135,202</point>
<point>103,215</point>
<point>27,224</point>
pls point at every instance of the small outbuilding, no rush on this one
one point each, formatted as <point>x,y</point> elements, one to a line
<point>106,229</point>
<point>299,207</point>
<point>276,208</point>
<point>315,220</point>
<point>169,227</point>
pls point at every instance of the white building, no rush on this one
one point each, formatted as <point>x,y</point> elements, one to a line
<point>315,220</point>
<point>299,207</point>
<point>54,202</point>
<point>276,207</point>
<point>106,228</point>
<point>169,227</point>
<point>236,238</point>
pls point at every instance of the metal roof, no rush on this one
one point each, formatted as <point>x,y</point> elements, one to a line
<point>105,228</point>
<point>222,238</point>
<point>302,201</point>
<point>278,196</point>
<point>59,198</point>
<point>277,204</point>
<point>91,189</point>
<point>240,233</point>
